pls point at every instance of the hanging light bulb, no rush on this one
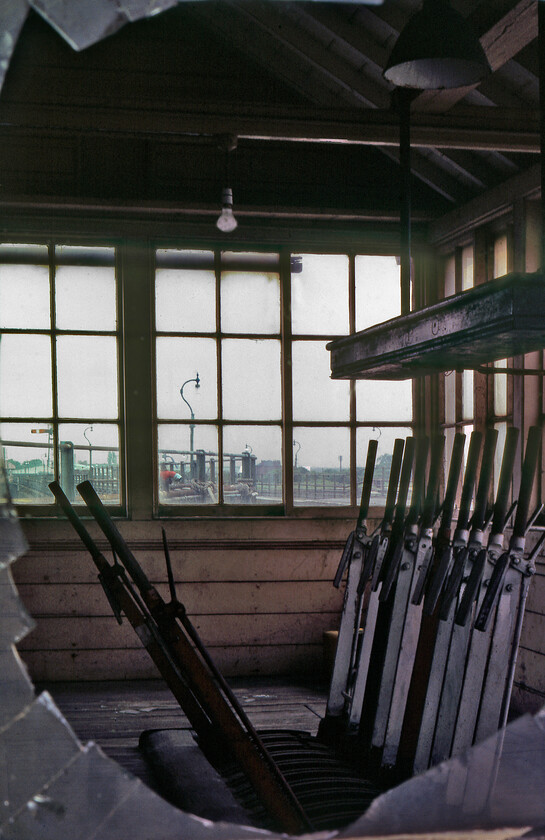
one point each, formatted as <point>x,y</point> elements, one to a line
<point>226,220</point>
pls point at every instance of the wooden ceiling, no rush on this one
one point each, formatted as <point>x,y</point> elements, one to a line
<point>299,83</point>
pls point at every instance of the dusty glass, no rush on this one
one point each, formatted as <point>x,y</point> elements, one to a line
<point>250,302</point>
<point>319,295</point>
<point>315,395</point>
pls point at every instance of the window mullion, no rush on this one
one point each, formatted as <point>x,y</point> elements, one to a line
<point>217,269</point>
<point>352,328</point>
<point>286,363</point>
<point>137,284</point>
<point>55,417</point>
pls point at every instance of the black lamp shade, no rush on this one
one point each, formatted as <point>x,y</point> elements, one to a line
<point>437,49</point>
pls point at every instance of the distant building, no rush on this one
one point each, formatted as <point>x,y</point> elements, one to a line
<point>268,468</point>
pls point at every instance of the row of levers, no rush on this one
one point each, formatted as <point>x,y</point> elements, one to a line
<point>433,604</point>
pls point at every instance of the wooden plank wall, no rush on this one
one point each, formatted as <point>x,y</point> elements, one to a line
<point>529,689</point>
<point>260,593</point>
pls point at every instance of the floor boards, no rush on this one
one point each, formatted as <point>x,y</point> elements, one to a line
<point>114,714</point>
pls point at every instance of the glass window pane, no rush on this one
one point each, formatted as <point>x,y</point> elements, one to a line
<point>87,376</point>
<point>250,302</point>
<point>386,437</point>
<point>84,255</point>
<point>25,376</point>
<point>252,465</point>
<point>450,397</point>
<point>315,395</point>
<point>90,453</point>
<point>178,362</point>
<point>450,276</point>
<point>29,460</point>
<point>467,268</point>
<point>188,464</point>
<point>467,395</point>
<point>85,298</point>
<point>24,297</point>
<point>251,379</point>
<point>383,400</point>
<point>378,290</point>
<point>502,433</point>
<point>500,255</point>
<point>185,300</point>
<point>500,389</point>
<point>319,295</point>
<point>322,475</point>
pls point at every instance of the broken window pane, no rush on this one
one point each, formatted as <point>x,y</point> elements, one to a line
<point>188,464</point>
<point>321,465</point>
<point>29,461</point>
<point>90,453</point>
<point>385,436</point>
<point>178,362</point>
<point>252,464</point>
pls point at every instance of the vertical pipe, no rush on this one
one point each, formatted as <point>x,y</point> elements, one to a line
<point>404,107</point>
<point>541,52</point>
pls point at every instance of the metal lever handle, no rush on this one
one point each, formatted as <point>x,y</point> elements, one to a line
<point>367,482</point>
<point>170,575</point>
<point>492,592</point>
<point>454,582</point>
<point>472,589</point>
<point>343,562</point>
<point>438,580</point>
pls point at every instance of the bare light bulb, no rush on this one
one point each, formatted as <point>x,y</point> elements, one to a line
<point>226,221</point>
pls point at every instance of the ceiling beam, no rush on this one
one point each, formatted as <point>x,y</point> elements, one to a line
<point>501,42</point>
<point>494,203</point>
<point>474,129</point>
<point>295,38</point>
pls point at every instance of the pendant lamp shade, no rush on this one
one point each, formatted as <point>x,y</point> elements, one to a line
<point>437,49</point>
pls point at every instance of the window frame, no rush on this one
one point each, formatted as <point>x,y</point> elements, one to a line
<point>135,267</point>
<point>53,332</point>
<point>484,385</point>
<point>288,507</point>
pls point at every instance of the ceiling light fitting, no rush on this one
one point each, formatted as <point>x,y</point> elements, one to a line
<point>226,221</point>
<point>437,49</point>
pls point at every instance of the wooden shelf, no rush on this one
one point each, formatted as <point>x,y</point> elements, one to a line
<point>499,319</point>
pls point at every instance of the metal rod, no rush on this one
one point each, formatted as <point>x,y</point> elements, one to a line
<point>404,107</point>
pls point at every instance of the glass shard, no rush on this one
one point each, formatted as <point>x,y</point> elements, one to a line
<point>33,749</point>
<point>496,783</point>
<point>12,17</point>
<point>81,24</point>
<point>16,622</point>
<point>16,689</point>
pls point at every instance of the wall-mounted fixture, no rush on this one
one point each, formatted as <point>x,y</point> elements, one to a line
<point>437,49</point>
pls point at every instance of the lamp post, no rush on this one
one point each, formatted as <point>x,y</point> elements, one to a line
<point>296,443</point>
<point>89,429</point>
<point>197,382</point>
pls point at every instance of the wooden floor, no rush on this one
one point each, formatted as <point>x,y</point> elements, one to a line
<point>114,714</point>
